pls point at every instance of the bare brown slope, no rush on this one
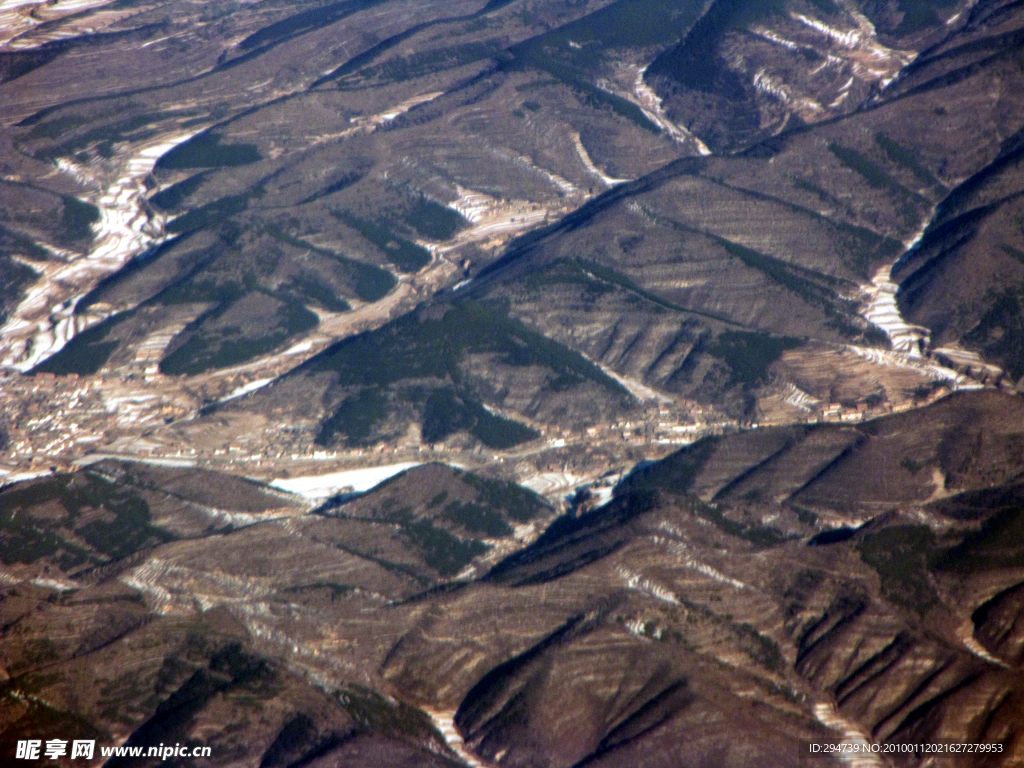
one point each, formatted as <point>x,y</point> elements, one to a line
<point>966,441</point>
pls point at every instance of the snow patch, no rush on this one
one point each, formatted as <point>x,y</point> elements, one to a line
<point>322,487</point>
<point>549,483</point>
<point>799,399</point>
<point>245,389</point>
<point>45,320</point>
<point>637,582</point>
<point>851,735</point>
<point>18,477</point>
<point>20,16</point>
<point>60,586</point>
<point>883,311</point>
<point>445,723</point>
<point>678,549</point>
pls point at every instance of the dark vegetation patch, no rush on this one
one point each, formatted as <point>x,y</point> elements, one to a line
<point>404,254</point>
<point>805,283</point>
<point>919,15</point>
<point>518,503</point>
<point>306,21</point>
<point>1000,332</point>
<point>375,713</point>
<point>571,543</point>
<point>761,648</point>
<point>594,97</point>
<point>100,138</point>
<point>423,346</point>
<point>59,126</point>
<point>823,195</point>
<point>87,519</point>
<point>759,535</point>
<point>206,151</point>
<point>14,243</point>
<point>344,182</point>
<point>860,246</point>
<point>77,218</point>
<point>478,504</point>
<point>209,348</point>
<point>87,351</point>
<point>911,465</point>
<point>906,158</point>
<point>420,63</point>
<point>446,413</point>
<point>369,282</point>
<point>598,278</point>
<point>208,214</point>
<point>14,276</point>
<point>401,569</point>
<point>433,220</point>
<point>626,23</point>
<point>1009,250</point>
<point>877,178</point>
<point>694,63</point>
<point>307,289</point>
<point>210,341</point>
<point>675,473</point>
<point>445,552</point>
<point>365,58</point>
<point>804,515</point>
<point>355,418</point>
<point>750,354</point>
<point>974,506</point>
<point>232,671</point>
<point>999,543</point>
<point>566,272</point>
<point>802,283</point>
<point>871,173</point>
<point>477,518</point>
<point>175,194</point>
<point>621,24</point>
<point>900,554</point>
<point>138,262</point>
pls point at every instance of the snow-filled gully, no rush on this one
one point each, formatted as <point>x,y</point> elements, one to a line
<point>857,744</point>
<point>18,17</point>
<point>910,343</point>
<point>445,724</point>
<point>45,320</point>
<point>883,311</point>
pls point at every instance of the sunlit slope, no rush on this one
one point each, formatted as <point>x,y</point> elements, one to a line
<point>739,282</point>
<point>738,622</point>
<point>430,140</point>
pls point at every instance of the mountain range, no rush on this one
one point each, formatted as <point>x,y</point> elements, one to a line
<point>681,341</point>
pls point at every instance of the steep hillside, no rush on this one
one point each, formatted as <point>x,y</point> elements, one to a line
<point>658,629</point>
<point>758,283</point>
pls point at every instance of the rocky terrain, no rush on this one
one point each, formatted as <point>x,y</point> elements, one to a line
<point>730,601</point>
<point>512,382</point>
